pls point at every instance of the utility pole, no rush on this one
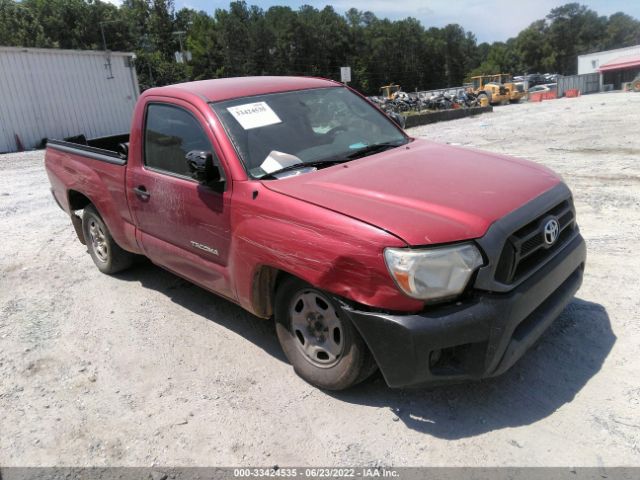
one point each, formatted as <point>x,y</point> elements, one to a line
<point>146,46</point>
<point>104,39</point>
<point>182,56</point>
<point>179,34</point>
<point>107,64</point>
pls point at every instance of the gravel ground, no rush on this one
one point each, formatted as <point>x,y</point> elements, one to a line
<point>146,369</point>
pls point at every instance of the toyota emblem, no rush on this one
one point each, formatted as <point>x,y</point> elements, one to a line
<point>551,230</point>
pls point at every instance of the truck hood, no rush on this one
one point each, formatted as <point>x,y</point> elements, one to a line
<point>424,192</point>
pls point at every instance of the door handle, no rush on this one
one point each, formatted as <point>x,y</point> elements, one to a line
<point>141,192</point>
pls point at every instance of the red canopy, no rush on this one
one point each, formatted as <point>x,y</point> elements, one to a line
<point>628,61</point>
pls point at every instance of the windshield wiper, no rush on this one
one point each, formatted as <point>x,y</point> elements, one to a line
<point>297,166</point>
<point>371,149</point>
<point>362,152</point>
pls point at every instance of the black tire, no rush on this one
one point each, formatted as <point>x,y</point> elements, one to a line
<point>354,364</point>
<point>105,252</point>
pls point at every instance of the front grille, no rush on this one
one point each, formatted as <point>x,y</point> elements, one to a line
<point>525,249</point>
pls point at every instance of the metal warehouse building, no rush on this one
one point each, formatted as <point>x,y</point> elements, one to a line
<point>48,93</point>
<point>615,67</point>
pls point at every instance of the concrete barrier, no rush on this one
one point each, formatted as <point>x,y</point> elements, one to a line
<point>540,96</point>
<point>443,115</point>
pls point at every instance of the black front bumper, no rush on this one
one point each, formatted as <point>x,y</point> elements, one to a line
<point>479,337</point>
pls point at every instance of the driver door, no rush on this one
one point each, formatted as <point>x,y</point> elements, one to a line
<point>181,224</point>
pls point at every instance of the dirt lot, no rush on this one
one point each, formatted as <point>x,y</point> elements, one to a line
<point>145,369</point>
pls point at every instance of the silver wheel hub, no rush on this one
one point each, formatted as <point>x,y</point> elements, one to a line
<point>98,241</point>
<point>317,328</point>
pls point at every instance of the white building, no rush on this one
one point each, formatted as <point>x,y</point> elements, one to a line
<point>49,93</point>
<point>614,66</point>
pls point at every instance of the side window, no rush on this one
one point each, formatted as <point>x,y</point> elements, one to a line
<point>170,133</point>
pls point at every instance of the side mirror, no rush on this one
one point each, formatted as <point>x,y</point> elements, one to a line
<point>202,169</point>
<point>123,150</point>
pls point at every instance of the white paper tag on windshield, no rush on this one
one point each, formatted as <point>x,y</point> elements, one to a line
<point>254,115</point>
<point>277,160</point>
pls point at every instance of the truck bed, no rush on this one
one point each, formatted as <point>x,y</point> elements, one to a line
<point>113,148</point>
<point>83,171</point>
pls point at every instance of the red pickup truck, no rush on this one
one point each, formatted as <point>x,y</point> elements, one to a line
<point>299,200</point>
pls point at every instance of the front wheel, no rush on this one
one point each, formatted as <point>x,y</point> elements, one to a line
<point>318,339</point>
<point>105,252</point>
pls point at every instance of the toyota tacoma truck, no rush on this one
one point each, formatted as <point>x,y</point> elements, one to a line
<point>302,202</point>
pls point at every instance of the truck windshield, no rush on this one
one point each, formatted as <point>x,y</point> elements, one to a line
<point>305,127</point>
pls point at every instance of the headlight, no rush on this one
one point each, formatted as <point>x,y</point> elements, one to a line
<point>433,273</point>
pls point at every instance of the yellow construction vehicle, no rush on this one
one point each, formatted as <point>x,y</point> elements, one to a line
<point>497,89</point>
<point>389,91</point>
<point>516,91</point>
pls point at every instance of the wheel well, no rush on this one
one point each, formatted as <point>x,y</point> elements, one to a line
<point>77,200</point>
<point>265,283</point>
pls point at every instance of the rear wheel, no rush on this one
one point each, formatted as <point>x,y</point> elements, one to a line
<point>318,339</point>
<point>105,252</point>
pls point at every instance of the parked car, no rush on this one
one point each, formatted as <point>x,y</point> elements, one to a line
<point>534,79</point>
<point>299,200</point>
<point>543,88</point>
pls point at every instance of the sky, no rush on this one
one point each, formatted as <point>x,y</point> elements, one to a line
<point>489,20</point>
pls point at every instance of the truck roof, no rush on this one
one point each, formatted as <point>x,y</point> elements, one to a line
<point>227,88</point>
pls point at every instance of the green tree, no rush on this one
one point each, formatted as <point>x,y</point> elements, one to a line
<point>574,29</point>
<point>532,47</point>
<point>202,43</point>
<point>161,27</point>
<point>246,40</point>
<point>19,26</point>
<point>622,31</point>
<point>233,38</point>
